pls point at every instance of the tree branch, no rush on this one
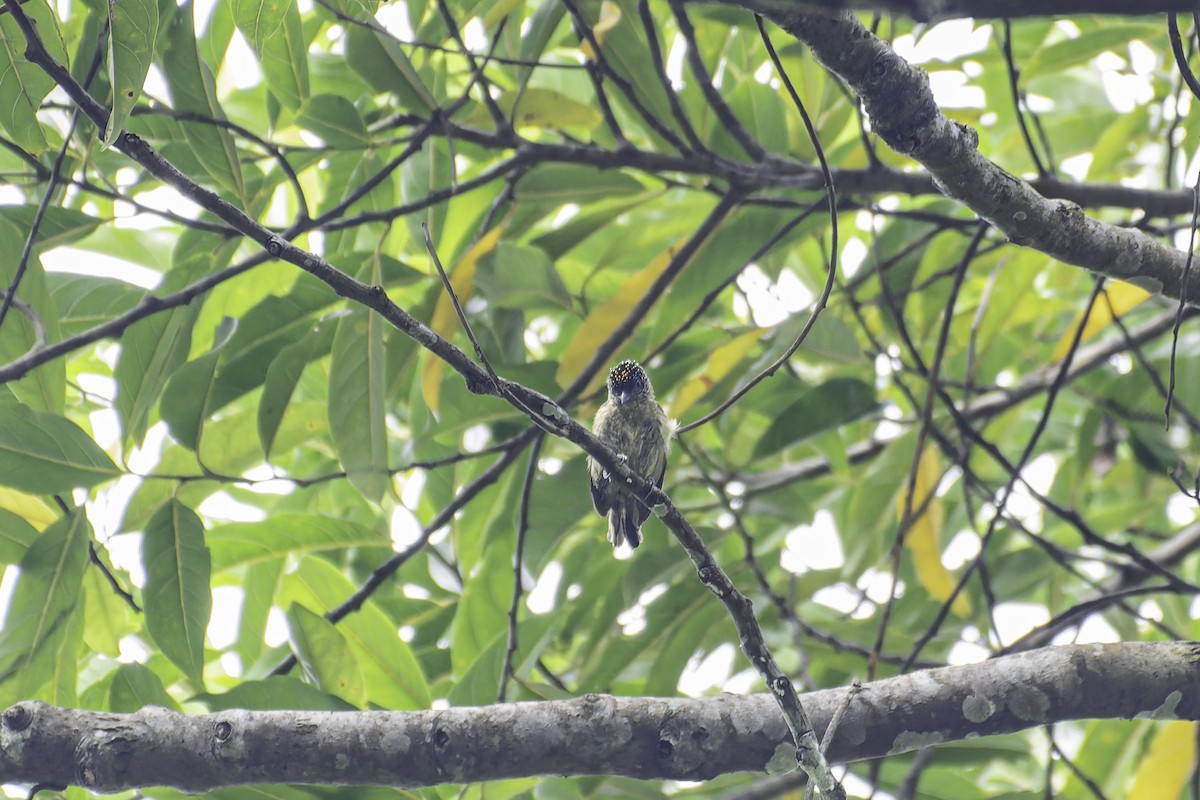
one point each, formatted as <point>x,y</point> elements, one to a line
<point>903,112</point>
<point>640,737</point>
<point>932,10</point>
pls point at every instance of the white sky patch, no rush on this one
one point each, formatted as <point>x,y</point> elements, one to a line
<point>813,547</point>
<point>1022,505</point>
<point>394,19</point>
<point>240,70</point>
<point>877,585</point>
<point>7,584</point>
<point>266,481</point>
<point>674,64</point>
<point>944,42</point>
<point>541,599</point>
<point>475,438</point>
<point>160,198</point>
<point>404,527</point>
<point>1181,509</point>
<point>1094,630</point>
<point>950,90</point>
<point>226,610</point>
<point>1076,166</point>
<point>700,676</point>
<point>84,262</point>
<point>125,552</point>
<point>474,36</point>
<point>1014,620</point>
<point>231,663</point>
<point>276,632</point>
<point>132,650</point>
<point>410,486</point>
<point>966,653</point>
<point>1150,609</point>
<point>564,215</point>
<point>223,507</point>
<point>854,253</point>
<point>962,548</point>
<point>744,682</point>
<point>550,465</point>
<point>1126,92</point>
<point>415,591</point>
<point>765,72</point>
<point>840,597</point>
<point>768,305</point>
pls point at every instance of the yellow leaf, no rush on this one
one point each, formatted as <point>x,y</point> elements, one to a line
<point>1165,768</point>
<point>1121,298</point>
<point>719,364</point>
<point>605,318</point>
<point>462,278</point>
<point>27,507</point>
<point>610,15</point>
<point>925,533</point>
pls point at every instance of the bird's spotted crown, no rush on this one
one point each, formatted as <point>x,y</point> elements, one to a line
<point>627,376</point>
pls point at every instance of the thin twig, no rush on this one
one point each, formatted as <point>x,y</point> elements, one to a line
<point>831,277</point>
<point>510,649</point>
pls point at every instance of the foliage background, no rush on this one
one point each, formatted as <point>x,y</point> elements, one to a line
<point>244,463</point>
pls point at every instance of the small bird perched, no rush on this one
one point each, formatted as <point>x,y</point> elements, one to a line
<point>633,424</point>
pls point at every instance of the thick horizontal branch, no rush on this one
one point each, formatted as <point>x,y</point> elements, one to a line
<point>931,10</point>
<point>903,112</point>
<point>640,737</point>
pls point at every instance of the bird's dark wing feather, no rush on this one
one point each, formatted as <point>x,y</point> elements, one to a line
<point>599,493</point>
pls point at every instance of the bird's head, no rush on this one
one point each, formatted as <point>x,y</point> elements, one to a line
<point>627,381</point>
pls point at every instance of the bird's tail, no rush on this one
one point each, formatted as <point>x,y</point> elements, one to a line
<point>624,525</point>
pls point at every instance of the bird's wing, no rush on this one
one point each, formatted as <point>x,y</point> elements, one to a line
<point>598,480</point>
<point>650,460</point>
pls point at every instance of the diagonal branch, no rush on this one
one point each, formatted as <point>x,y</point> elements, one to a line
<point>903,112</point>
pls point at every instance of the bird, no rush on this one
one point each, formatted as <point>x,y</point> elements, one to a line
<point>633,424</point>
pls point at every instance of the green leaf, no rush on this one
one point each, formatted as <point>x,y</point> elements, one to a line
<point>516,276</point>
<point>1057,56</point>
<point>177,597</point>
<point>151,350</point>
<point>44,601</point>
<point>15,537</point>
<point>393,676</point>
<point>573,183</point>
<point>335,120</point>
<point>58,227</point>
<point>356,401</point>
<point>44,387</point>
<point>43,453</point>
<point>242,543</point>
<point>483,610</point>
<point>828,406</point>
<point>187,400</point>
<point>274,31</point>
<point>193,90</point>
<point>23,84</point>
<point>136,686</point>
<point>325,656</point>
<point>132,28</point>
<point>84,301</point>
<point>279,692</point>
<point>281,378</point>
<point>380,60</point>
<point>108,617</point>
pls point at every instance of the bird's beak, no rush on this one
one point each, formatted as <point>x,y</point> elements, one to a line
<point>624,397</point>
